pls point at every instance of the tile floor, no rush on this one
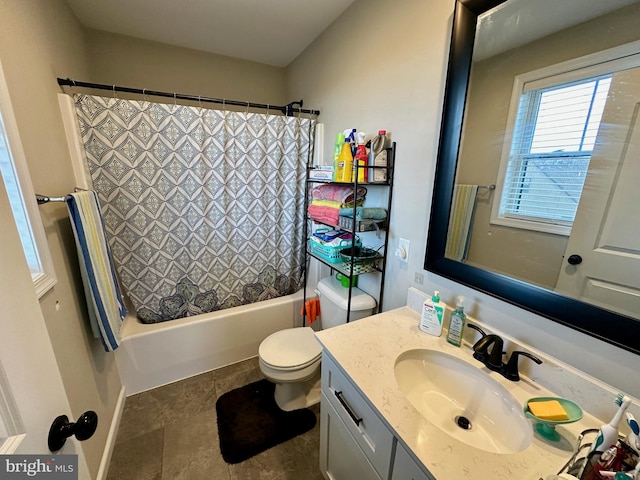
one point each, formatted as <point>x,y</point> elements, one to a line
<point>171,433</point>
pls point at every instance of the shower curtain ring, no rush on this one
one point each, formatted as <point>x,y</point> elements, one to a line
<point>115,95</point>
<point>200,101</point>
<point>144,96</point>
<point>174,99</point>
<point>247,109</point>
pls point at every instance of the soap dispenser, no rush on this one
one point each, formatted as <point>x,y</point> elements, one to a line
<point>432,315</point>
<point>457,324</point>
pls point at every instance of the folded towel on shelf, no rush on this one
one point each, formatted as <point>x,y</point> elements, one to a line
<point>365,213</point>
<point>312,309</point>
<point>339,193</point>
<point>327,215</point>
<point>327,203</point>
<point>359,203</point>
<point>104,300</point>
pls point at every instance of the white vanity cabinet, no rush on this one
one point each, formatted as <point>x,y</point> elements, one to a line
<point>354,441</point>
<point>405,468</point>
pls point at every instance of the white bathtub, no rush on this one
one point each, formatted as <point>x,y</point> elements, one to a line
<point>152,355</point>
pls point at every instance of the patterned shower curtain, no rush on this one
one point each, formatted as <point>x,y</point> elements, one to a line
<point>204,209</point>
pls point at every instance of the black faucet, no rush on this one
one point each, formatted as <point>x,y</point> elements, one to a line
<point>493,358</point>
<point>510,370</point>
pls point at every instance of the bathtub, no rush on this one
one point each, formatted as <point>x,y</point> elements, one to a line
<point>152,355</point>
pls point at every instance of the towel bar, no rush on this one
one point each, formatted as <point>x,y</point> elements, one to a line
<point>41,199</point>
<point>44,199</point>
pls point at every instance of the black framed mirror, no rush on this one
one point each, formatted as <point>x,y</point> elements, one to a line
<point>614,328</point>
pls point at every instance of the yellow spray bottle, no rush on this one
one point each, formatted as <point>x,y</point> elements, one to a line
<point>345,163</point>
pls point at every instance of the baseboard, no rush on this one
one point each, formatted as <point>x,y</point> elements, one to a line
<point>111,438</point>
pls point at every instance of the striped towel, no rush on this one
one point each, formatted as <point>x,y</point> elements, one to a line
<point>462,206</point>
<point>104,301</point>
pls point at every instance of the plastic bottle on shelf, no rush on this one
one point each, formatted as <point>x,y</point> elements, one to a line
<point>350,136</point>
<point>336,154</point>
<point>360,159</point>
<point>378,157</point>
<point>345,163</point>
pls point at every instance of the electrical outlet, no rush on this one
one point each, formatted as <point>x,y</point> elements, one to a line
<point>418,278</point>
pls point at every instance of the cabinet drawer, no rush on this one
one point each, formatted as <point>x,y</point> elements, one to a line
<point>361,420</point>
<point>340,456</point>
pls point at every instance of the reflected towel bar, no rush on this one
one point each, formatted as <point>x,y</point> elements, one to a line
<point>42,199</point>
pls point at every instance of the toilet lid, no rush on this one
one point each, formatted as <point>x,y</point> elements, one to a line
<point>293,347</point>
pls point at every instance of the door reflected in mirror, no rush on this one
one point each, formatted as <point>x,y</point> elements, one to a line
<point>549,161</point>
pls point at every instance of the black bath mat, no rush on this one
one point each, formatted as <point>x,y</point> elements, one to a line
<point>250,422</point>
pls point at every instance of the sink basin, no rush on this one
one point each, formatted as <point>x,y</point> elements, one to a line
<point>463,401</point>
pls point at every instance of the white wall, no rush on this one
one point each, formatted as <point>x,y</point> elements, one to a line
<point>40,41</point>
<point>383,65</point>
<point>122,60</point>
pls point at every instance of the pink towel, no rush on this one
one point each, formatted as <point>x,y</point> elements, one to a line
<point>338,193</point>
<point>325,214</point>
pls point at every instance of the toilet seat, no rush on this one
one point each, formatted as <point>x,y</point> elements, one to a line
<point>290,349</point>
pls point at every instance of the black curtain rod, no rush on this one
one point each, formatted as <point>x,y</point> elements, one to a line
<point>289,109</point>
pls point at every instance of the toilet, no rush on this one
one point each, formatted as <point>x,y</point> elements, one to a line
<point>290,358</point>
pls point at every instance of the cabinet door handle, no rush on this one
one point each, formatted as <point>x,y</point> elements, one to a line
<point>346,406</point>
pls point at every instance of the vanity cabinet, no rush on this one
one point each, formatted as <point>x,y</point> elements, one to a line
<point>354,441</point>
<point>405,468</point>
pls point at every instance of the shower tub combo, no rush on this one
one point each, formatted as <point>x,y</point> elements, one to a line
<point>152,355</point>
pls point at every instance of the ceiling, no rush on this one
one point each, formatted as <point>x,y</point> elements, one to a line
<point>273,32</point>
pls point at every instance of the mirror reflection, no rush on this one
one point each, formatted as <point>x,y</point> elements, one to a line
<point>549,162</point>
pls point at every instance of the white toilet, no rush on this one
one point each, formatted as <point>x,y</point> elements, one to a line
<point>290,358</point>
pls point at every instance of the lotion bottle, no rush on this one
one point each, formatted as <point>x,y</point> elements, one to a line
<point>432,315</point>
<point>457,323</point>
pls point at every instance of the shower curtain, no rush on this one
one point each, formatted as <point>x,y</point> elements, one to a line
<point>204,209</point>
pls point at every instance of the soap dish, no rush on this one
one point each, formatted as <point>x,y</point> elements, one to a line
<point>547,428</point>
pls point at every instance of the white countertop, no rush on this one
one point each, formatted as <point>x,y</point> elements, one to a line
<point>367,350</point>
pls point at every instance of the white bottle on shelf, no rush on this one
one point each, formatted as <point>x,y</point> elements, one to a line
<point>378,157</point>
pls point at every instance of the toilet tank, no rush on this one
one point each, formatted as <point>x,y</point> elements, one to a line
<point>334,299</point>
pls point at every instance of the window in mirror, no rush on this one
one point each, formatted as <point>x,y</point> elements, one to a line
<point>554,135</point>
<point>554,120</point>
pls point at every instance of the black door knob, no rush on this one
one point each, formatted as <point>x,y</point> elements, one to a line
<point>574,259</point>
<point>62,428</point>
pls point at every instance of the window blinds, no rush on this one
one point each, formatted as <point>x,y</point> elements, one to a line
<point>555,132</point>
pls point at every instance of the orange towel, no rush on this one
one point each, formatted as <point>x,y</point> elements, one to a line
<point>312,307</point>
